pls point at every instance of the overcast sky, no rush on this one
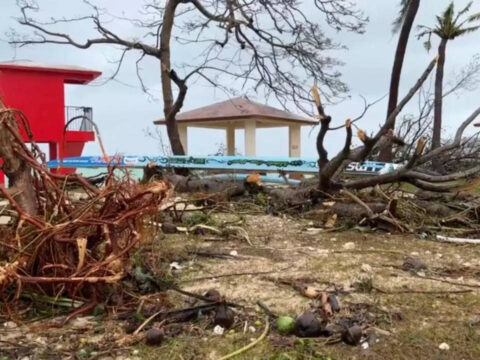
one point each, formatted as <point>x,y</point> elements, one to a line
<point>123,111</point>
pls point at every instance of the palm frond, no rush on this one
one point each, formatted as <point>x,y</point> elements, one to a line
<point>471,19</point>
<point>463,11</point>
<point>474,17</point>
<point>425,30</point>
<point>447,15</point>
<point>397,23</point>
<point>468,30</point>
<point>448,25</point>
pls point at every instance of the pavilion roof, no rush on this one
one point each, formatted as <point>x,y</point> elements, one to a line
<point>236,109</point>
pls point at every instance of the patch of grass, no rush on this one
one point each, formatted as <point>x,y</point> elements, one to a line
<point>364,285</point>
<point>199,217</point>
<point>188,348</point>
<point>261,199</point>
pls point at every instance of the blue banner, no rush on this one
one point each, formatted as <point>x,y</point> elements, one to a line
<point>231,163</point>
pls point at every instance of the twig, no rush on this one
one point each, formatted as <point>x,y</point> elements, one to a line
<point>249,346</point>
<point>266,309</point>
<point>215,255</point>
<point>373,251</point>
<point>408,291</point>
<point>233,274</point>
<point>447,281</point>
<point>358,201</point>
<point>380,192</point>
<point>147,321</point>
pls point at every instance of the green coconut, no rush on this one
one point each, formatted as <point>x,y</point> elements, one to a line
<point>285,324</point>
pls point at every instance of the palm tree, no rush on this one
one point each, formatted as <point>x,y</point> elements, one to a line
<point>404,23</point>
<point>448,27</point>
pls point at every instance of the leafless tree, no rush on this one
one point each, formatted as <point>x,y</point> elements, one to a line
<point>414,126</point>
<point>274,46</point>
<point>410,172</point>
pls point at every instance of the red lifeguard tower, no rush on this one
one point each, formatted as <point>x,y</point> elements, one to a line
<point>38,91</point>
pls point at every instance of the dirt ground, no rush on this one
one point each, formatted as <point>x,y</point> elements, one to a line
<point>413,315</point>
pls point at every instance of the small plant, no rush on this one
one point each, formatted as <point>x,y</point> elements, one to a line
<point>364,285</point>
<point>261,199</point>
<point>198,217</point>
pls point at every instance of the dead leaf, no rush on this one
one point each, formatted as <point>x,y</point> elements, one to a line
<point>82,249</point>
<point>114,264</point>
<point>331,221</point>
<point>309,292</point>
<point>326,307</point>
<point>254,179</point>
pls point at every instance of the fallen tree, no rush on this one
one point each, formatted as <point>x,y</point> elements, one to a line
<point>411,172</point>
<point>68,245</point>
<point>16,169</point>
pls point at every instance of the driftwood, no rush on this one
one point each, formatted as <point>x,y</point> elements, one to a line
<point>455,240</point>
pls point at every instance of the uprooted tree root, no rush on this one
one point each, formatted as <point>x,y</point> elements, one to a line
<point>71,247</point>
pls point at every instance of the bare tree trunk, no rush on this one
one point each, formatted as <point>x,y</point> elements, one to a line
<point>169,109</point>
<point>386,153</point>
<point>15,168</point>
<point>437,119</point>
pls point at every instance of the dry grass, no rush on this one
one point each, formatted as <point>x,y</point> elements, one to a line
<point>418,322</point>
<point>283,245</point>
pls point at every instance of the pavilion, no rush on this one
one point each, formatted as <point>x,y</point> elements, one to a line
<point>241,113</point>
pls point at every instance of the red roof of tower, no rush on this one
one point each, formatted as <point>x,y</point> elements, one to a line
<point>71,74</point>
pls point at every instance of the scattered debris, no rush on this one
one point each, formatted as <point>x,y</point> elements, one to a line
<point>213,295</point>
<point>87,247</point>
<point>154,336</point>
<point>169,228</point>
<point>334,304</point>
<point>307,325</point>
<point>5,220</point>
<point>309,292</point>
<point>285,324</point>
<point>327,311</point>
<point>175,266</point>
<point>224,317</point>
<point>352,335</point>
<point>218,330</point>
<point>458,240</point>
<point>413,264</point>
<point>444,346</point>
